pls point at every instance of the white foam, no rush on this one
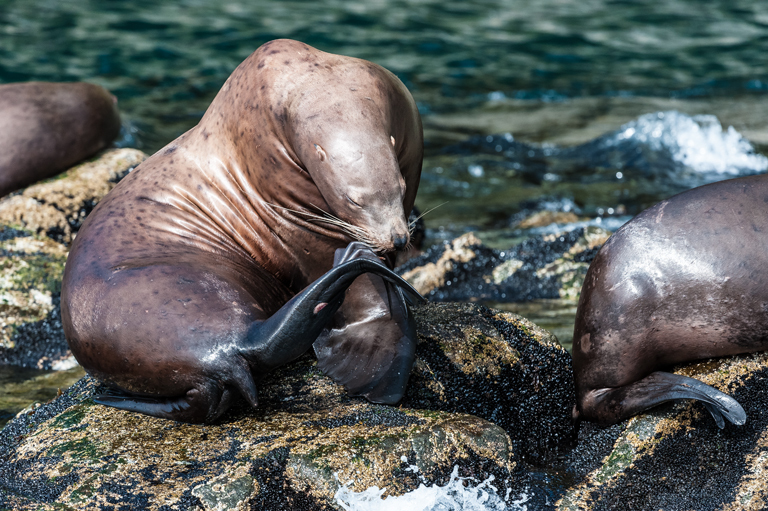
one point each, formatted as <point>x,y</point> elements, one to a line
<point>698,142</point>
<point>454,496</point>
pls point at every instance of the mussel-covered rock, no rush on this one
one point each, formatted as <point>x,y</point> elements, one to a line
<point>464,269</point>
<point>307,437</point>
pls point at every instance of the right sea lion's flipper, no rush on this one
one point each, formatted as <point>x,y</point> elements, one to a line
<point>611,405</point>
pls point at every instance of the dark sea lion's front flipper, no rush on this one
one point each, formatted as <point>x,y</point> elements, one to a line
<point>612,405</point>
<point>292,330</point>
<point>371,347</point>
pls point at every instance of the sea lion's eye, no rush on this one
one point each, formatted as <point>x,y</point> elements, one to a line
<point>353,202</point>
<point>392,139</point>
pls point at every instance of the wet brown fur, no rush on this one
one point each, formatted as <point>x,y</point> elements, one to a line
<point>209,235</point>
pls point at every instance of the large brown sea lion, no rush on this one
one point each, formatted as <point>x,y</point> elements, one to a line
<point>684,280</point>
<point>45,128</point>
<point>213,261</point>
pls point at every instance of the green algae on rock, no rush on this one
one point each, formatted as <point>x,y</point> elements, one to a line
<point>675,455</point>
<point>31,268</point>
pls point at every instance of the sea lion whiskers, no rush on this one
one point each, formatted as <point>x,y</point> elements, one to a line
<point>412,224</point>
<point>354,232</point>
<point>360,234</point>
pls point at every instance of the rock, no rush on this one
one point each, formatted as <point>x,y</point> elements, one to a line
<point>675,455</point>
<point>35,226</point>
<point>497,366</point>
<point>307,437</point>
<point>31,268</point>
<point>57,207</point>
<point>543,267</point>
<point>546,217</point>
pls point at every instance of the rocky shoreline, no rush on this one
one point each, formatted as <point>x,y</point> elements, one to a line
<point>491,393</point>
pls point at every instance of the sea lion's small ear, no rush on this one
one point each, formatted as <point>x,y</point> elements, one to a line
<point>392,139</point>
<point>320,153</point>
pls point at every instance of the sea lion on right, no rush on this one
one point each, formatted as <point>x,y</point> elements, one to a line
<point>684,280</point>
<point>45,128</point>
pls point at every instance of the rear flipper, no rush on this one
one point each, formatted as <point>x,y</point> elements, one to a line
<point>372,346</point>
<point>196,406</point>
<point>611,405</point>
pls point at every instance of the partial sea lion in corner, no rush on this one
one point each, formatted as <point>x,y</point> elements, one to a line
<point>684,280</point>
<point>45,128</point>
<point>213,261</point>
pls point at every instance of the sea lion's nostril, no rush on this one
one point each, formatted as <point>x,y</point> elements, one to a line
<point>400,241</point>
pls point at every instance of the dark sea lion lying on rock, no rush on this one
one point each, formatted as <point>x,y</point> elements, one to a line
<point>45,128</point>
<point>684,280</point>
<point>213,261</point>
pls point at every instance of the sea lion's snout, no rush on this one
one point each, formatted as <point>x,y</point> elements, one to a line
<point>399,240</point>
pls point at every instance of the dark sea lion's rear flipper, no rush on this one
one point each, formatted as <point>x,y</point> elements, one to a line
<point>612,405</point>
<point>372,346</point>
<point>199,405</point>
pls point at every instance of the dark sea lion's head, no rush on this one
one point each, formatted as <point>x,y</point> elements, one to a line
<point>349,150</point>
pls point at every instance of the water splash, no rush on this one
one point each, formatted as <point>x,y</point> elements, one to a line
<point>454,496</point>
<point>697,142</point>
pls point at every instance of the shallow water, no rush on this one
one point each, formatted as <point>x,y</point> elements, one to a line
<point>20,387</point>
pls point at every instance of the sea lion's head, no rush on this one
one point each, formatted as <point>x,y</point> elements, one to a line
<point>350,155</point>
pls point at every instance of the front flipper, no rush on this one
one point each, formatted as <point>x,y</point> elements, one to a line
<point>292,330</point>
<point>611,405</point>
<point>371,347</point>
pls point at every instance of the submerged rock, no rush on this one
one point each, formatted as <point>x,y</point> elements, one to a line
<point>549,266</point>
<point>35,227</point>
<point>307,437</point>
<point>675,457</point>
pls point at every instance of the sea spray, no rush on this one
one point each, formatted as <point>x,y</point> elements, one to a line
<point>459,494</point>
<point>699,143</point>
